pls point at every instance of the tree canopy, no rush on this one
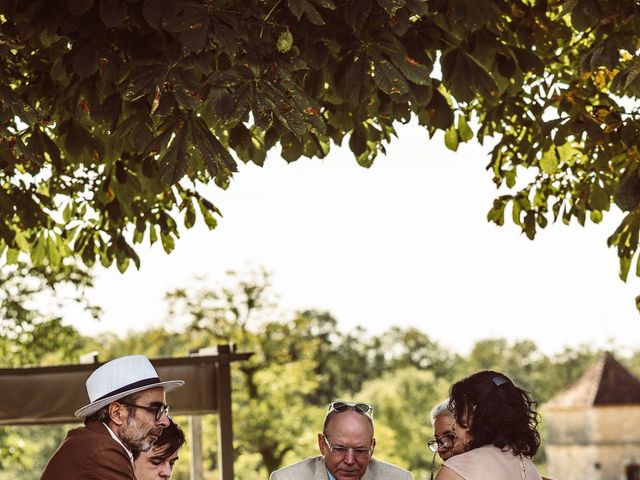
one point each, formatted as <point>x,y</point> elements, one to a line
<point>114,114</point>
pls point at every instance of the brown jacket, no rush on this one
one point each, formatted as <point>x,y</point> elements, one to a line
<point>89,453</point>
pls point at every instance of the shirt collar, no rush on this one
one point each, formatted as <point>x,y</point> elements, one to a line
<point>331,477</point>
<point>114,436</point>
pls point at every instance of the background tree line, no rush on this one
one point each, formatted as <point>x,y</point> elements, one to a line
<point>302,361</point>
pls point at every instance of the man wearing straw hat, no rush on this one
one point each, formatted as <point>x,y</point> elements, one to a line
<point>126,415</point>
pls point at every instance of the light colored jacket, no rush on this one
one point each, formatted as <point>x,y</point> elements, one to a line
<point>314,469</point>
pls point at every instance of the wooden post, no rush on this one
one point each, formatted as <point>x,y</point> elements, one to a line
<point>225,429</point>
<point>195,428</point>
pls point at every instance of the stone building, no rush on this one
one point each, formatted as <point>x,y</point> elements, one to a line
<point>593,427</point>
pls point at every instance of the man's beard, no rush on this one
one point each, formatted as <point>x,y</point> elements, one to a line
<point>135,438</point>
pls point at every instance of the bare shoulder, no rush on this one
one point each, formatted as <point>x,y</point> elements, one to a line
<point>447,474</point>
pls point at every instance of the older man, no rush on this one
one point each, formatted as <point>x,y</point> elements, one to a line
<point>126,414</point>
<point>346,444</point>
<point>157,463</point>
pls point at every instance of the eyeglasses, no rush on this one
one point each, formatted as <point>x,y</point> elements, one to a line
<point>446,441</point>
<point>158,411</point>
<point>342,451</point>
<point>363,408</point>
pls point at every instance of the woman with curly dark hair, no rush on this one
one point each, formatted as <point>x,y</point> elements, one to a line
<point>497,424</point>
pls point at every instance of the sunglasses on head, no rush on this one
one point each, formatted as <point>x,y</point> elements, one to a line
<point>363,408</point>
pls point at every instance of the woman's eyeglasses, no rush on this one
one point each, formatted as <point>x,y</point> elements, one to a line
<point>363,408</point>
<point>446,441</point>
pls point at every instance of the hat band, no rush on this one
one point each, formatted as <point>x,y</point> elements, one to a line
<point>131,386</point>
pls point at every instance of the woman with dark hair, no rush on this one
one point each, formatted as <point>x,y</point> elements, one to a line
<point>497,424</point>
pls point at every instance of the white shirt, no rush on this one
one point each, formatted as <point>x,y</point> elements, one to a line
<point>113,435</point>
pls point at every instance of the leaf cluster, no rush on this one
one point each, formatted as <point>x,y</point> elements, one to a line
<point>114,114</point>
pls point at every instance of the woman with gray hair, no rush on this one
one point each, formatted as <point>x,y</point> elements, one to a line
<point>444,442</point>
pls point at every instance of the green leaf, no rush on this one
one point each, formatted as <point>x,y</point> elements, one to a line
<point>79,7</point>
<point>506,65</point>
<point>152,10</point>
<point>285,109</point>
<point>326,4</point>
<point>549,161</point>
<point>300,7</point>
<point>168,243</point>
<point>598,198</point>
<point>122,263</point>
<point>357,13</point>
<point>79,142</point>
<point>53,253</point>
<point>113,12</point>
<point>173,163</point>
<point>627,192</point>
<point>108,112</point>
<point>153,235</point>
<point>391,6</point>
<point>439,112</point>
<point>464,76</point>
<point>144,82</point>
<point>17,106</point>
<point>189,215</point>
<point>215,156</point>
<point>568,153</point>
<point>39,251</point>
<point>496,214</point>
<point>85,60</point>
<point>12,256</point>
<point>358,142</point>
<point>127,253</point>
<point>528,61</point>
<point>291,148</point>
<point>353,79</point>
<point>207,215</point>
<point>585,14</point>
<point>412,70</point>
<point>388,78</point>
<point>530,225</point>
<point>194,39</point>
<point>22,242</point>
<point>451,139</point>
<point>625,265</point>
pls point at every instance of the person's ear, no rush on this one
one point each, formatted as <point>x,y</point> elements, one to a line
<point>117,413</point>
<point>321,444</point>
<point>373,445</point>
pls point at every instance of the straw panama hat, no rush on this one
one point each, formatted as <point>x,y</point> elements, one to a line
<point>121,377</point>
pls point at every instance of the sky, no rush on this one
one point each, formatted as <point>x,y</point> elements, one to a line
<point>405,242</point>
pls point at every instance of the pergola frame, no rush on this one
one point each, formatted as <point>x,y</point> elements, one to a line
<point>50,395</point>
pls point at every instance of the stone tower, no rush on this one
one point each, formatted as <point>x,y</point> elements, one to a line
<point>593,427</point>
